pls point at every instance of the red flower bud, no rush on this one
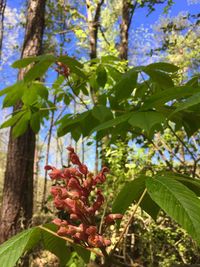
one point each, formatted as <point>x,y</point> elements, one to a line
<point>83,169</point>
<point>110,219</point>
<point>74,184</point>
<point>91,230</point>
<point>70,149</point>
<point>62,231</point>
<point>55,174</point>
<point>98,241</point>
<point>48,167</point>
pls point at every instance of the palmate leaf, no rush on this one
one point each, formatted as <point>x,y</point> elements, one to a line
<point>14,248</point>
<point>146,120</point>
<point>177,201</point>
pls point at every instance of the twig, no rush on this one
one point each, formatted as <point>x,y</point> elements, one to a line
<point>182,142</point>
<point>129,222</point>
<point>77,96</point>
<point>104,36</point>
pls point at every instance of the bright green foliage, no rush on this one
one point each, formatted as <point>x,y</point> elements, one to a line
<point>13,249</point>
<point>131,193</point>
<point>177,201</point>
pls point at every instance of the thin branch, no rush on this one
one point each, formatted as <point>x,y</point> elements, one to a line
<point>81,100</point>
<point>182,142</point>
<point>131,14</point>
<point>129,221</point>
<point>103,35</point>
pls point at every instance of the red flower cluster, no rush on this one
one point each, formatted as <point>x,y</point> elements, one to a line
<point>62,69</point>
<point>72,194</point>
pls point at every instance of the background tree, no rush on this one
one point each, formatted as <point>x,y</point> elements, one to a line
<point>2,10</point>
<point>17,205</point>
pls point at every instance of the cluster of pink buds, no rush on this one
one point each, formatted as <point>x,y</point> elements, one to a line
<point>72,194</point>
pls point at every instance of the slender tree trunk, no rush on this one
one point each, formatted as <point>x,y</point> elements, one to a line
<point>36,175</point>
<point>17,206</point>
<point>123,49</point>
<point>2,10</point>
<point>93,26</point>
<point>47,156</point>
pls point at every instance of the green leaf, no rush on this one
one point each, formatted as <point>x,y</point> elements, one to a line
<point>131,192</point>
<point>35,121</point>
<point>146,120</point>
<point>158,99</point>
<point>6,90</point>
<point>14,118</point>
<point>82,252</point>
<point>37,71</point>
<point>159,77</point>
<point>32,93</point>
<point>178,202</point>
<point>68,121</point>
<point>22,124</point>
<point>167,67</point>
<point>101,113</point>
<point>22,63</point>
<point>189,102</point>
<point>101,75</point>
<point>112,123</point>
<point>55,244</point>
<point>192,184</point>
<point>14,94</point>
<point>194,82</point>
<point>14,248</point>
<point>126,84</point>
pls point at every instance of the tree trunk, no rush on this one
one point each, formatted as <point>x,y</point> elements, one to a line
<point>2,10</point>
<point>128,10</point>
<point>123,50</point>
<point>93,26</point>
<point>17,206</point>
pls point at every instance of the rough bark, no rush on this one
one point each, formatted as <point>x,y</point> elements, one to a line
<point>128,10</point>
<point>2,10</point>
<point>17,206</point>
<point>93,26</point>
